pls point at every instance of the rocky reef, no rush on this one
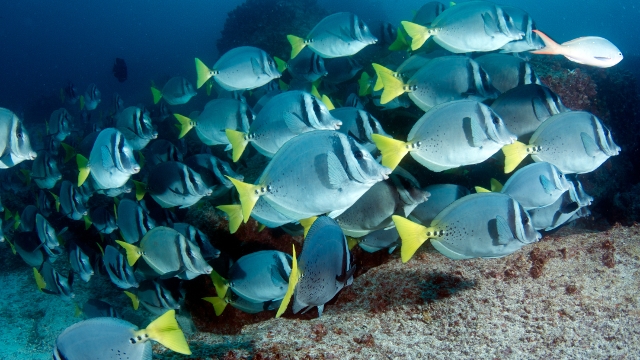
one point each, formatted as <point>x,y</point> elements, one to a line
<point>260,23</point>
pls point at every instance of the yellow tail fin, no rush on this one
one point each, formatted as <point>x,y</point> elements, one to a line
<point>135,302</point>
<point>238,141</point>
<point>283,85</point>
<point>56,198</point>
<point>157,95</point>
<point>495,185</point>
<point>39,279</point>
<point>218,304</point>
<point>221,284</point>
<point>209,87</point>
<point>133,252</point>
<point>297,44</point>
<point>249,195</point>
<point>69,152</point>
<point>81,102</point>
<point>282,65</point>
<point>186,124</point>
<point>306,224</point>
<point>141,189</point>
<point>513,155</point>
<point>392,150</point>
<point>480,189</point>
<point>364,86</point>
<point>327,102</point>
<point>393,86</point>
<point>204,73</point>
<point>418,33</point>
<point>234,213</point>
<point>77,312</point>
<point>293,281</point>
<point>379,69</point>
<point>413,236</point>
<point>166,331</point>
<point>400,43</point>
<point>87,222</point>
<point>83,168</point>
<point>351,242</point>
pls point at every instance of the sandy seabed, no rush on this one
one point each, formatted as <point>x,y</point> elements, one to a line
<point>573,295</point>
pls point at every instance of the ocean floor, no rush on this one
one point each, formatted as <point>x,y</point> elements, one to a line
<point>572,295</point>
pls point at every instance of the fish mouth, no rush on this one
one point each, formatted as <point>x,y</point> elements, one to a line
<point>385,172</point>
<point>32,155</point>
<point>337,125</point>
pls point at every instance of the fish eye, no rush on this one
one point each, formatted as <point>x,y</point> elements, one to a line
<point>496,120</point>
<point>358,154</point>
<point>20,135</point>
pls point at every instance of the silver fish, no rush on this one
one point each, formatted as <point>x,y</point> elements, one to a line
<point>133,221</point>
<point>59,125</point>
<point>442,195</point>
<point>158,297</point>
<point>360,125</point>
<point>54,283</point>
<point>161,150</point>
<point>100,337</point>
<point>285,116</point>
<point>257,277</point>
<point>80,262</point>
<point>341,69</point>
<point>441,80</point>
<point>168,253</point>
<point>218,115</point>
<point>325,266</point>
<point>575,141</point>
<point>175,184</point>
<point>241,68</point>
<point>47,234</point>
<point>44,170</point>
<point>506,71</point>
<point>120,272</point>
<point>337,35</point>
<point>176,91</point>
<point>71,202</point>
<point>523,22</point>
<point>525,107</point>
<point>135,124</point>
<point>536,185</point>
<point>566,208</point>
<point>111,162</point>
<point>485,225</point>
<point>307,66</point>
<point>314,173</point>
<point>91,98</point>
<point>198,237</point>
<point>15,145</point>
<point>213,172</point>
<point>467,27</point>
<point>398,195</point>
<point>450,135</point>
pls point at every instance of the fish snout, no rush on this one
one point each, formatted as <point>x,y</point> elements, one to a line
<point>385,172</point>
<point>33,155</point>
<point>337,125</point>
<point>135,169</point>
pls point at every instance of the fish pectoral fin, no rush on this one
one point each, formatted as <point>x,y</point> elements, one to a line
<point>476,134</point>
<point>590,146</point>
<point>504,232</point>
<point>490,27</point>
<point>107,159</point>
<point>294,122</point>
<point>547,185</point>
<point>539,109</point>
<point>337,175</point>
<point>602,58</point>
<point>256,67</point>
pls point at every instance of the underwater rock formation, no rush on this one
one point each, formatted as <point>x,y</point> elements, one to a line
<point>259,23</point>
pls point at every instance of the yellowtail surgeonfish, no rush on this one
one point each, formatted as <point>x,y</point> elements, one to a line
<point>99,337</point>
<point>337,35</point>
<point>15,145</point>
<point>314,173</point>
<point>486,225</point>
<point>176,91</point>
<point>241,68</point>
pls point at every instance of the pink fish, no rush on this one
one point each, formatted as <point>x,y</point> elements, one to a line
<point>587,50</point>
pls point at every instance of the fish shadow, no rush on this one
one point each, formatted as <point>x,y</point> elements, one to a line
<point>439,285</point>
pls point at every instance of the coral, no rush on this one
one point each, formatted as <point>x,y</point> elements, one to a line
<point>259,23</point>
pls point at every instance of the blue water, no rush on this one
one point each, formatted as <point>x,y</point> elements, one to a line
<point>44,44</point>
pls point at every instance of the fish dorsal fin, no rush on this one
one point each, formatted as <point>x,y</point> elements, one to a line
<point>107,160</point>
<point>337,175</point>
<point>504,232</point>
<point>547,184</point>
<point>590,146</point>
<point>478,136</point>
